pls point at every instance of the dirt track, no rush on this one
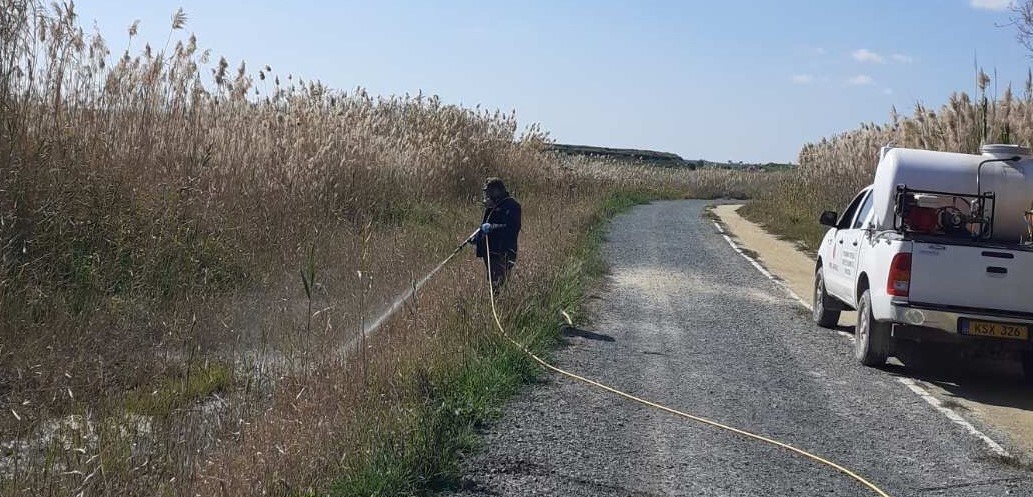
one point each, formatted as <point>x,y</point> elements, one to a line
<point>684,320</point>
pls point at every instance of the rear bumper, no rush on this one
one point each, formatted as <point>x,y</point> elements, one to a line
<point>926,321</point>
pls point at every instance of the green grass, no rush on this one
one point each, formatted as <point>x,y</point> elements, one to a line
<point>710,215</point>
<point>172,393</point>
<point>424,455</point>
<point>801,229</point>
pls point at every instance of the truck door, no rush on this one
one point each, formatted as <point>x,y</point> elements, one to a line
<point>839,281</point>
<point>853,239</point>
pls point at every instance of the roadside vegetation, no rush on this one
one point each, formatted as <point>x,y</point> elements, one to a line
<point>191,251</point>
<point>833,170</point>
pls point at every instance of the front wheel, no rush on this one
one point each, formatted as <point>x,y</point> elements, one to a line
<point>871,338</point>
<point>824,311</point>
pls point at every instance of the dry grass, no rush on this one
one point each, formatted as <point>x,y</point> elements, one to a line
<point>832,171</point>
<point>188,252</point>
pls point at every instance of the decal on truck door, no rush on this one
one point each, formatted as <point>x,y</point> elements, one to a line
<point>849,262</point>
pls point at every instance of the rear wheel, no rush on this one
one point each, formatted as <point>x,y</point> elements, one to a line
<point>871,338</point>
<point>824,309</point>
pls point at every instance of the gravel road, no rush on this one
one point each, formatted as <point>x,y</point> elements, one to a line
<point>695,327</point>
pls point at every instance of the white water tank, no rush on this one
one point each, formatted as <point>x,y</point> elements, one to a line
<point>1012,182</point>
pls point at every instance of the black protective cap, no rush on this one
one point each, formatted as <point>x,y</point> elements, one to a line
<point>491,183</point>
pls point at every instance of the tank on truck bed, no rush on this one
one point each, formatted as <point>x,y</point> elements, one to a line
<point>1000,182</point>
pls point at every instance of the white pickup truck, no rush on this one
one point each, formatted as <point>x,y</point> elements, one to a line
<point>938,249</point>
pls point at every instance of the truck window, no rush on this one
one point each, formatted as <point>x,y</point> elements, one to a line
<point>862,213</point>
<point>848,215</point>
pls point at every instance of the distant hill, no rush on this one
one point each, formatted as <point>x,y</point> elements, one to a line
<point>619,153</point>
<point>665,159</point>
<point>746,166</point>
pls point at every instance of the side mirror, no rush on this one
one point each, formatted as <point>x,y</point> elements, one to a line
<point>829,218</point>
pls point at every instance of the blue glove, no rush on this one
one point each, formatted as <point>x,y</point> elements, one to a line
<point>486,227</point>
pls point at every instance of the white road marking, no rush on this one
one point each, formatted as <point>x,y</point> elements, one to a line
<point>951,414</point>
<point>845,335</point>
<point>954,416</point>
<point>762,269</point>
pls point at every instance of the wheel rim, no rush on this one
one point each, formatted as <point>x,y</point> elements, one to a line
<point>819,300</point>
<point>863,322</point>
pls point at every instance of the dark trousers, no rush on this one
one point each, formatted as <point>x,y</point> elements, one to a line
<point>501,265</point>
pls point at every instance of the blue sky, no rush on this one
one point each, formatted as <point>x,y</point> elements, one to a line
<point>724,80</point>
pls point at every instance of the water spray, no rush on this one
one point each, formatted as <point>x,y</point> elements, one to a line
<point>400,300</point>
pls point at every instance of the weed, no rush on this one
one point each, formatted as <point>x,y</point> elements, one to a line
<point>170,394</point>
<point>161,204</point>
<point>453,400</point>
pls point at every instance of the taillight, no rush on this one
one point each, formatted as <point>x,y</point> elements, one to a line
<point>899,281</point>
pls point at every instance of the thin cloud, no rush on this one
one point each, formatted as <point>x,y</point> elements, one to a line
<point>901,58</point>
<point>812,51</point>
<point>887,91</point>
<point>860,80</point>
<point>865,55</point>
<point>802,79</point>
<point>997,5</point>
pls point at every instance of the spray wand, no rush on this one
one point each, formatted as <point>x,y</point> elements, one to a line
<point>467,241</point>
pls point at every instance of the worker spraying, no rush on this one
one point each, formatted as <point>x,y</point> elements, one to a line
<point>498,233</point>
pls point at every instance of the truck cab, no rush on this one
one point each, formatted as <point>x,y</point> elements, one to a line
<point>934,252</point>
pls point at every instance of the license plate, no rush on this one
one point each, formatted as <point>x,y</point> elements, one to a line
<point>996,330</point>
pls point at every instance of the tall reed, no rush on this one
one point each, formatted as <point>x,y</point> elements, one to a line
<point>833,170</point>
<point>157,206</point>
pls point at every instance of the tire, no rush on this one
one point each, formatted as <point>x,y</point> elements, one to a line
<point>871,338</point>
<point>824,309</point>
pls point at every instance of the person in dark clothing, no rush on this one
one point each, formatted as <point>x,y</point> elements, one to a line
<point>501,224</point>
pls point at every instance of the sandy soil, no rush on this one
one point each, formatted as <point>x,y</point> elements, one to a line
<point>995,399</point>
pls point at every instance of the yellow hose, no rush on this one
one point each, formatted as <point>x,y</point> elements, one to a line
<point>821,460</point>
